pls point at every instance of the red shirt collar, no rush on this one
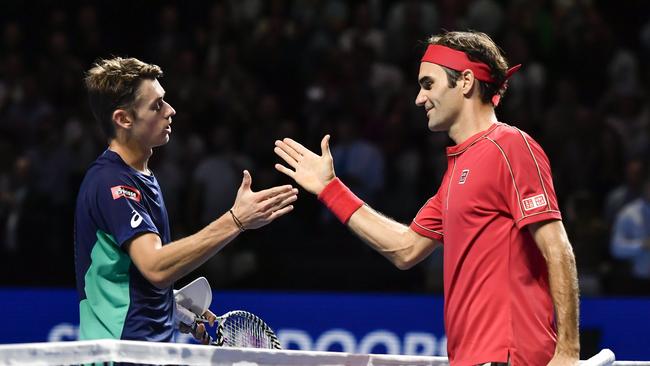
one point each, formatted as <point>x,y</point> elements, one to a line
<point>460,148</point>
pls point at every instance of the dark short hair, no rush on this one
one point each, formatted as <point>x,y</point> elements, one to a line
<point>479,47</point>
<point>113,84</point>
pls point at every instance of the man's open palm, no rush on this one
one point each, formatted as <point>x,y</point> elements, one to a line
<point>313,172</point>
<point>256,209</point>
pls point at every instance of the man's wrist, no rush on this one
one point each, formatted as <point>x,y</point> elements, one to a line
<point>225,223</point>
<point>327,182</point>
<point>236,220</point>
<point>340,200</point>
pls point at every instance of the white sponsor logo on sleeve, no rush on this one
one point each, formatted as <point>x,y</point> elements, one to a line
<point>534,202</point>
<point>136,219</point>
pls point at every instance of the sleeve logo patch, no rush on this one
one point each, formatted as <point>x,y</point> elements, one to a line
<point>534,202</point>
<point>136,219</point>
<point>125,191</point>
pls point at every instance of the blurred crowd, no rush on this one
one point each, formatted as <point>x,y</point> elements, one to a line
<point>242,73</point>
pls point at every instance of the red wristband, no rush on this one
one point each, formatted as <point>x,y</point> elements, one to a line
<point>340,200</point>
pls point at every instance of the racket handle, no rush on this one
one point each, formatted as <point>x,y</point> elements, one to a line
<point>206,338</point>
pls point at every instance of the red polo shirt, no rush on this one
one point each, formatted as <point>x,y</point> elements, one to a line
<point>497,298</point>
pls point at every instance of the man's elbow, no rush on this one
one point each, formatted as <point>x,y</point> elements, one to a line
<point>405,261</point>
<point>158,279</point>
<point>404,265</point>
<point>565,252</point>
<point>413,252</point>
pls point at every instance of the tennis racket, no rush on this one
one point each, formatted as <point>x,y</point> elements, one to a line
<point>240,328</point>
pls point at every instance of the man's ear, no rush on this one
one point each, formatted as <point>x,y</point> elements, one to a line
<point>122,118</point>
<point>467,81</point>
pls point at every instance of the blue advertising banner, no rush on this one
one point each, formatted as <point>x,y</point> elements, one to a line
<point>359,323</point>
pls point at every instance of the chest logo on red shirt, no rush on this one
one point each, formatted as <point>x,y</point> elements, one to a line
<point>463,176</point>
<point>534,202</point>
<point>125,191</point>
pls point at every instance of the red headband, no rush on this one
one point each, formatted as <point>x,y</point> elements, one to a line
<point>458,60</point>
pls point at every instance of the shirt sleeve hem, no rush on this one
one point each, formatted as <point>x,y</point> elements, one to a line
<point>135,234</point>
<point>537,217</point>
<point>432,234</point>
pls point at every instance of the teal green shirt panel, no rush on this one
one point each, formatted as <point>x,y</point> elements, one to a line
<point>103,312</point>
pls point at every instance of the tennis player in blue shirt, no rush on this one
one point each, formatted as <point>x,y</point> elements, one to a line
<point>126,263</point>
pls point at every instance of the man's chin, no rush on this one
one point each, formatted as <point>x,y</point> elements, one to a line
<point>436,127</point>
<point>163,142</point>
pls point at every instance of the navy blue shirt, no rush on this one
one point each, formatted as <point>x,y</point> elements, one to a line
<point>116,203</point>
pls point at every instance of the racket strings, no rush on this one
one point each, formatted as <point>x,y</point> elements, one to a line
<point>242,329</point>
<point>244,332</point>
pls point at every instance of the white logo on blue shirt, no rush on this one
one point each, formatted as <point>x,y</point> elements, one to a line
<point>136,219</point>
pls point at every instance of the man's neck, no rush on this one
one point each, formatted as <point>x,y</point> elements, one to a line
<point>133,155</point>
<point>472,120</point>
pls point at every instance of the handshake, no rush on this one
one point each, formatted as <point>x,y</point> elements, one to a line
<point>192,303</point>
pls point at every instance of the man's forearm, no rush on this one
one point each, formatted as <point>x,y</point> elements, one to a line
<point>564,290</point>
<point>178,258</point>
<point>390,238</point>
<point>552,240</point>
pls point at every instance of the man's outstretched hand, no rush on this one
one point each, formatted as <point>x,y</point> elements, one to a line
<point>256,209</point>
<point>313,172</point>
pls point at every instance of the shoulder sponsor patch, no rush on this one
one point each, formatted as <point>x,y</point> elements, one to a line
<point>125,191</point>
<point>534,202</point>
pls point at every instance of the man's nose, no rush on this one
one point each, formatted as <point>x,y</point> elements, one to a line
<point>420,99</point>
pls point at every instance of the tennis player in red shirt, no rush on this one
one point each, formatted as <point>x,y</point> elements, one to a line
<point>510,283</point>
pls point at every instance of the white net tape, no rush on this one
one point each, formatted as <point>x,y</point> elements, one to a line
<point>69,353</point>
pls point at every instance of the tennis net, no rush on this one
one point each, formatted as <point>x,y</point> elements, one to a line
<point>104,351</point>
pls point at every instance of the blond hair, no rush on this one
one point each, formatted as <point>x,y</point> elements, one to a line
<point>113,84</point>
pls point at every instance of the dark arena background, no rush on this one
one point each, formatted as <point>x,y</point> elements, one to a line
<point>242,74</point>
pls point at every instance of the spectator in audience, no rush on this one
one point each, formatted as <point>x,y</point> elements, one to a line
<point>629,190</point>
<point>631,239</point>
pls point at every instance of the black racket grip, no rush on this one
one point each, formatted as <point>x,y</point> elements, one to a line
<point>205,338</point>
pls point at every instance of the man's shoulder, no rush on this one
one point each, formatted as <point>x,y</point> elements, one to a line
<point>507,135</point>
<point>512,140</point>
<point>105,172</point>
<point>515,148</point>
